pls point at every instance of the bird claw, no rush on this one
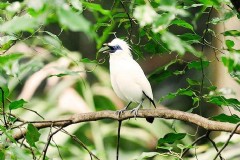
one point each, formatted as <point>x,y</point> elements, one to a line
<point>135,112</point>
<point>120,112</point>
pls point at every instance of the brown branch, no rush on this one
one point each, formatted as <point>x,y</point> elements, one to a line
<point>76,139</point>
<point>196,141</point>
<point>49,140</point>
<point>156,113</point>
<point>228,140</point>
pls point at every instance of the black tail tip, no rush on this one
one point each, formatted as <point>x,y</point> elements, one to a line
<point>150,119</point>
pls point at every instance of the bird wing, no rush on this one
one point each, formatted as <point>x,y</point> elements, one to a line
<point>142,81</point>
<point>129,81</point>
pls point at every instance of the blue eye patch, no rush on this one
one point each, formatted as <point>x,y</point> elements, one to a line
<point>114,48</point>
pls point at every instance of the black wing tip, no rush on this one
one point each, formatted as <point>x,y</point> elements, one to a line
<point>150,119</point>
<point>153,103</point>
<point>151,100</point>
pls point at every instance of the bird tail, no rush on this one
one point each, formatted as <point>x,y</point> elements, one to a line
<point>147,104</point>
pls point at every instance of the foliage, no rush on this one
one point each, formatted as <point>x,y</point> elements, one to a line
<point>40,75</point>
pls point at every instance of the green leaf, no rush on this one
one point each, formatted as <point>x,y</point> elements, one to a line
<point>210,3</point>
<point>190,38</point>
<point>65,73</point>
<point>86,60</point>
<point>18,24</point>
<point>234,33</point>
<point>101,102</point>
<point>73,21</point>
<point>165,147</point>
<point>193,82</point>
<point>192,6</point>
<point>228,62</point>
<point>17,104</point>
<point>149,47</point>
<point>19,153</point>
<point>185,91</point>
<point>232,63</point>
<point>163,20</point>
<point>229,43</point>
<point>2,155</point>
<point>77,5</point>
<point>9,58</point>
<point>55,37</point>
<point>170,138</point>
<point>179,92</point>
<point>226,118</point>
<point>173,42</point>
<point>145,155</point>
<point>212,88</point>
<point>3,5</point>
<point>6,39</point>
<point>223,18</point>
<point>174,10</point>
<point>197,64</point>
<point>160,75</point>
<point>177,72</point>
<point>32,135</point>
<point>97,7</point>
<point>222,101</point>
<point>8,133</point>
<point>182,23</point>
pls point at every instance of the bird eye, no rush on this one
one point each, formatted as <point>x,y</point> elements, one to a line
<point>118,47</point>
<point>114,48</point>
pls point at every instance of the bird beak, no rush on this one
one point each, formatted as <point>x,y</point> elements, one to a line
<point>105,48</point>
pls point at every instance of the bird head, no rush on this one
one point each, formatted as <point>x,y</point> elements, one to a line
<point>119,47</point>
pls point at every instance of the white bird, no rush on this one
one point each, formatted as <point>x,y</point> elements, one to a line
<point>127,78</point>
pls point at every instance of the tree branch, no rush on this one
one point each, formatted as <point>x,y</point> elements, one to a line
<point>156,113</point>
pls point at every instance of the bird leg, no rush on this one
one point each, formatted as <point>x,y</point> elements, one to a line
<point>135,110</point>
<point>119,112</point>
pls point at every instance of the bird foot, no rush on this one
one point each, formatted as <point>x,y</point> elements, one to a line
<point>120,112</point>
<point>134,111</point>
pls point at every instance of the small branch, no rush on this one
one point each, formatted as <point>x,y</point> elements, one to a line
<point>49,140</point>
<point>196,141</point>
<point>156,113</point>
<point>33,112</point>
<point>130,20</point>
<point>81,143</point>
<point>118,138</point>
<point>229,138</point>
<point>215,146</point>
<point>3,108</point>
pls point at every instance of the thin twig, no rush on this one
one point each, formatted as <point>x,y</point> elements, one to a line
<point>30,149</point>
<point>203,44</point>
<point>118,138</point>
<point>130,20</point>
<point>81,143</point>
<point>228,140</point>
<point>196,141</point>
<point>215,146</point>
<point>59,153</point>
<point>3,108</point>
<point>33,112</point>
<point>49,140</point>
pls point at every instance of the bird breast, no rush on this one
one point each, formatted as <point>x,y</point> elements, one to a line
<point>128,80</point>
